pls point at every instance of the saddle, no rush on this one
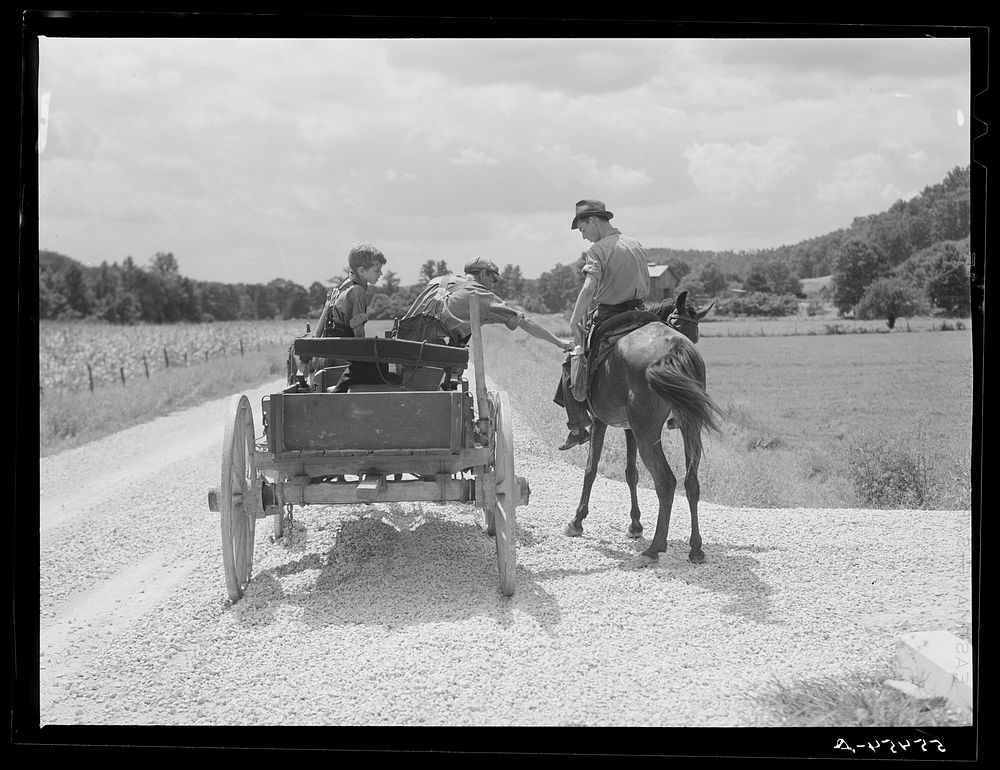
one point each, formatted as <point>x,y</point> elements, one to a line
<point>602,340</point>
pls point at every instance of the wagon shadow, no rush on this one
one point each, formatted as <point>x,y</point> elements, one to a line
<point>442,571</point>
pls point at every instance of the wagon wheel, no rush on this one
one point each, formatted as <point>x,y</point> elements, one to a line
<point>239,471</point>
<point>502,518</point>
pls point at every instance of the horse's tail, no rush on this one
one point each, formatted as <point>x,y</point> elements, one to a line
<point>686,396</point>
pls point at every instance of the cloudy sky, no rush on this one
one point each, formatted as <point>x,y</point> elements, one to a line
<point>254,159</point>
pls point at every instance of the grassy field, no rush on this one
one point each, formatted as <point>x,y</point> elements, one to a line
<point>815,417</point>
<point>805,413</point>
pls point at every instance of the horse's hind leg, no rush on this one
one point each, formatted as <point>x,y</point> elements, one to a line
<point>692,458</point>
<point>632,477</point>
<point>597,431</point>
<point>651,451</point>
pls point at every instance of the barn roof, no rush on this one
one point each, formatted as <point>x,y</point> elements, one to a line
<point>816,285</point>
<point>655,271</point>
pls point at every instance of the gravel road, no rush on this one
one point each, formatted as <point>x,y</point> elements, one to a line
<point>351,621</point>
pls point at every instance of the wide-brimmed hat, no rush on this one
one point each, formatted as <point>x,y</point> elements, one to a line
<point>590,208</point>
<point>479,264</point>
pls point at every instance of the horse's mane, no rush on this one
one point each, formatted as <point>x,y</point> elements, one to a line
<point>663,309</point>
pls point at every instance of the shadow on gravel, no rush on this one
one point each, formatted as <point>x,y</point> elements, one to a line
<point>442,571</point>
<point>729,570</point>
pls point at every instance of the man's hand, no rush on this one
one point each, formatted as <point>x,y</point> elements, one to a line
<point>567,345</point>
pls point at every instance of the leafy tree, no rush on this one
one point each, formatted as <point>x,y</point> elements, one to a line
<point>856,265</point>
<point>948,285</point>
<point>165,263</point>
<point>220,301</point>
<point>712,280</point>
<point>559,287</point>
<point>431,269</point>
<point>889,298</point>
<point>781,279</point>
<point>389,283</point>
<point>680,268</point>
<point>757,280</point>
<point>317,295</point>
<point>512,282</point>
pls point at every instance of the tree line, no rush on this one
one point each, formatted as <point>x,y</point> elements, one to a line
<point>913,257</point>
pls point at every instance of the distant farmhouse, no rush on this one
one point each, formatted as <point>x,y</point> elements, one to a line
<point>817,288</point>
<point>662,283</point>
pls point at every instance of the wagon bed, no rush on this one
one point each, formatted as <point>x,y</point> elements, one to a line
<point>401,440</point>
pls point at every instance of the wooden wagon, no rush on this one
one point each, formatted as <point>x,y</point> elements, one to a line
<point>404,440</point>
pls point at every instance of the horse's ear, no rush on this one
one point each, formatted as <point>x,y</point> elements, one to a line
<point>681,299</point>
<point>704,312</point>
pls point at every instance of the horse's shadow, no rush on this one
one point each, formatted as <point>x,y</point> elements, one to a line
<point>728,570</point>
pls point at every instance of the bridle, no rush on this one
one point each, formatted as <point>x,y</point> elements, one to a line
<point>686,325</point>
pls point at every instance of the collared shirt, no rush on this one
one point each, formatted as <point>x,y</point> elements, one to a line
<point>619,263</point>
<point>346,306</point>
<point>447,298</point>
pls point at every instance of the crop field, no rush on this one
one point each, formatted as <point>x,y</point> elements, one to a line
<point>112,352</point>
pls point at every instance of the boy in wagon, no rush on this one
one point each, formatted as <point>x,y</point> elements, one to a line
<point>346,311</point>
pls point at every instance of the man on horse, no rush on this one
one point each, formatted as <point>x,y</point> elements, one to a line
<point>616,280</point>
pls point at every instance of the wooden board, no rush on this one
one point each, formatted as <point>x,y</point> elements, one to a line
<point>378,349</point>
<point>411,420</point>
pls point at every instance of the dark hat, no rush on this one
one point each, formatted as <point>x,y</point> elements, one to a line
<point>479,264</point>
<point>590,208</point>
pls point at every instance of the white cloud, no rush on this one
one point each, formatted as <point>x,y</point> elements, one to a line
<point>860,181</point>
<point>730,171</point>
<point>427,143</point>
<point>469,156</point>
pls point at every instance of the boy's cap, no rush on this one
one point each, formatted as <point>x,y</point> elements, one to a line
<point>480,263</point>
<point>590,208</point>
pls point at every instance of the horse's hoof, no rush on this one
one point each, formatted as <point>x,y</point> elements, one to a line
<point>645,560</point>
<point>634,531</point>
<point>572,530</point>
<point>696,557</point>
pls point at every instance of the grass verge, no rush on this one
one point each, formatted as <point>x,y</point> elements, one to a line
<point>856,699</point>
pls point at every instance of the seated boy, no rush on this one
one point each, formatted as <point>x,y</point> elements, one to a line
<point>346,311</point>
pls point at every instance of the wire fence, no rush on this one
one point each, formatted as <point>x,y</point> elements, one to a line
<point>87,357</point>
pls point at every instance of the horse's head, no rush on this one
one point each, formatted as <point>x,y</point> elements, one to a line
<point>685,318</point>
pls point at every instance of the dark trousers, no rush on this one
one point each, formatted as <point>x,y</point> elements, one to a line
<point>361,373</point>
<point>358,372</point>
<point>577,414</point>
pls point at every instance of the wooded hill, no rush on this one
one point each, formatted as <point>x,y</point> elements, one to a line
<point>916,230</point>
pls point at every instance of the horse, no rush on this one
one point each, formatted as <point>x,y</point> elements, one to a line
<point>651,374</point>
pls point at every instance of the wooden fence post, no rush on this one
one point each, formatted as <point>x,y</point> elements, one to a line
<point>241,347</point>
<point>145,365</point>
<point>166,360</point>
<point>121,371</point>
<point>90,378</point>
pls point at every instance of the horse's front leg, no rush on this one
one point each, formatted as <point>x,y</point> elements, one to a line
<point>632,478</point>
<point>597,431</point>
